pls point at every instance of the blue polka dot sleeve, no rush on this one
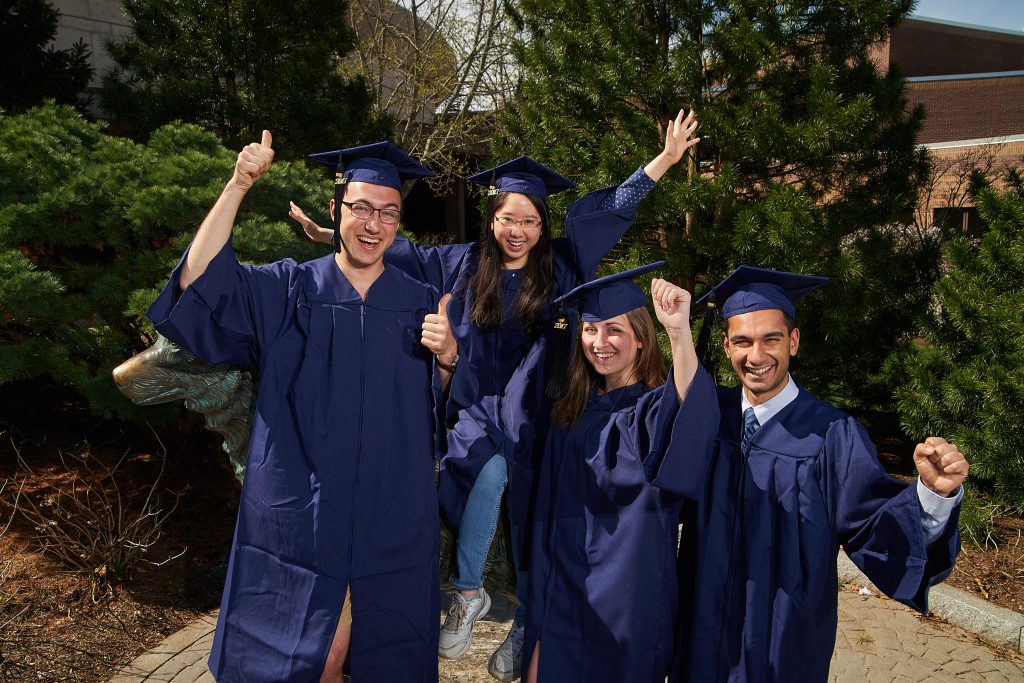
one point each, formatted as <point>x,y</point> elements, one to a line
<point>629,193</point>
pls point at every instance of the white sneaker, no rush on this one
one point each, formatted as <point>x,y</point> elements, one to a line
<point>507,661</point>
<point>457,631</point>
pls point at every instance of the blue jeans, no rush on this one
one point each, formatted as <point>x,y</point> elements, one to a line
<point>476,531</point>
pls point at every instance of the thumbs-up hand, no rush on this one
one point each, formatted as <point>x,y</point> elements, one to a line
<point>253,161</point>
<point>437,334</point>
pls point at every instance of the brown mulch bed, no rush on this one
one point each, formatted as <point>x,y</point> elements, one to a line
<point>61,625</point>
<point>995,572</point>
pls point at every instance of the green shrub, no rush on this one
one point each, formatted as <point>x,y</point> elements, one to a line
<point>966,373</point>
<point>91,226</point>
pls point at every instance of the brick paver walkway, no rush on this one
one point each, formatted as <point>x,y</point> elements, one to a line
<point>879,641</point>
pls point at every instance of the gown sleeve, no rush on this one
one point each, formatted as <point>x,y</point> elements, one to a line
<point>671,440</point>
<point>630,192</point>
<point>229,312</point>
<point>878,521</point>
<point>438,267</point>
<point>596,222</point>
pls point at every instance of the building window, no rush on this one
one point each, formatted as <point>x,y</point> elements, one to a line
<point>962,219</point>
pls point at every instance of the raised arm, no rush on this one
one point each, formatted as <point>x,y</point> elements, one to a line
<point>597,221</point>
<point>672,306</point>
<point>677,141</point>
<point>634,188</point>
<point>313,231</point>
<point>215,230</point>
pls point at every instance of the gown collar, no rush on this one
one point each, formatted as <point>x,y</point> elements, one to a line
<point>620,397</point>
<point>392,290</point>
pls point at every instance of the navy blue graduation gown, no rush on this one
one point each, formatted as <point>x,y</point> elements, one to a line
<point>602,589</point>
<point>758,554</point>
<point>340,487</point>
<point>476,407</point>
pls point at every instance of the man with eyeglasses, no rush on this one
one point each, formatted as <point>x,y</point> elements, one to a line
<point>338,518</point>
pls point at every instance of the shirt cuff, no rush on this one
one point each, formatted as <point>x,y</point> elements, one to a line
<point>936,509</point>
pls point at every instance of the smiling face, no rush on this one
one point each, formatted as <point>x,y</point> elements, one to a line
<point>363,242</point>
<point>516,240</point>
<point>611,347</point>
<point>759,346</point>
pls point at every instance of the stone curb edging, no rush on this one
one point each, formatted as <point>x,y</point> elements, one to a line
<point>993,624</point>
<point>179,657</point>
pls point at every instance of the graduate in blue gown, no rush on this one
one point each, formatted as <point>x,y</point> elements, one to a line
<point>503,286</point>
<point>792,479</point>
<point>625,449</point>
<point>339,502</point>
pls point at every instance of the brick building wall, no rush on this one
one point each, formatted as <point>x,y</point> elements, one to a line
<point>933,48</point>
<point>970,81</point>
<point>945,200</point>
<point>969,107</point>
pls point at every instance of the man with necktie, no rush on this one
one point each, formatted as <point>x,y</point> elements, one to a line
<point>791,480</point>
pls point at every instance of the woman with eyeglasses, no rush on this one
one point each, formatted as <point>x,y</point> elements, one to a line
<point>503,286</point>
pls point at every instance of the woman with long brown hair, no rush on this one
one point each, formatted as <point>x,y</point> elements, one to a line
<point>502,290</point>
<point>625,450</point>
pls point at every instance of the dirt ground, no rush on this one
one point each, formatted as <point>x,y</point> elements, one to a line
<point>57,624</point>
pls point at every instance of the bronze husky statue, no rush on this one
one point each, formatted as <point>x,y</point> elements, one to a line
<point>222,394</point>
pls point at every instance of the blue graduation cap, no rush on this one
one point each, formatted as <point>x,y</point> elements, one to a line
<point>749,289</point>
<point>611,295</point>
<point>381,163</point>
<point>522,175</point>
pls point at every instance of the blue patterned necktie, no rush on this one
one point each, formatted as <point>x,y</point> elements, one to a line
<point>750,425</point>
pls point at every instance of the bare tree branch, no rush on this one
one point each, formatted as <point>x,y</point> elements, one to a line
<point>441,68</point>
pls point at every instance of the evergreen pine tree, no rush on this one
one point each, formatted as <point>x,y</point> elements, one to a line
<point>807,160</point>
<point>966,376</point>
<point>33,70</point>
<point>91,226</point>
<point>240,66</point>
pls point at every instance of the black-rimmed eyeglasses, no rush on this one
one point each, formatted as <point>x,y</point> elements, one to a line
<point>364,212</point>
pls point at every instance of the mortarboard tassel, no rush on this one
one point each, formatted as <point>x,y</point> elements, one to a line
<point>704,338</point>
<point>339,194</point>
<point>561,348</point>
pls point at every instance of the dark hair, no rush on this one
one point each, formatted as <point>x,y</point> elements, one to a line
<point>538,274</point>
<point>649,369</point>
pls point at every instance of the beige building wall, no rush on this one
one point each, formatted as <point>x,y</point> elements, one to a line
<point>93,22</point>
